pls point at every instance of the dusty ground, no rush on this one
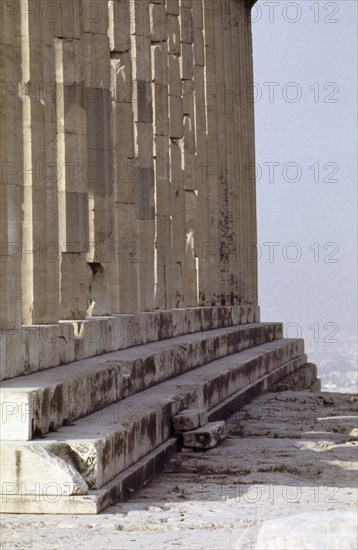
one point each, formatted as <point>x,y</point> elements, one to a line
<point>284,478</point>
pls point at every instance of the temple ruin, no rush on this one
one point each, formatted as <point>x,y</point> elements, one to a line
<point>128,269</point>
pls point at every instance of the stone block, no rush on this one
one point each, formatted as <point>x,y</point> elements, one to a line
<point>68,24</point>
<point>45,465</point>
<point>145,194</point>
<point>161,115</point>
<point>186,25</point>
<point>173,35</point>
<point>144,144</point>
<point>200,102</point>
<point>197,12</point>
<point>159,63</point>
<point>94,118</point>
<point>190,419</point>
<point>139,18</point>
<point>162,197</point>
<point>75,222</point>
<point>163,260</point>
<point>96,60</point>
<point>72,163</point>
<point>16,415</point>
<point>94,17</point>
<point>205,437</point>
<point>75,281</point>
<point>68,66</point>
<point>125,178</point>
<point>97,182</point>
<point>191,182</point>
<point>142,101</point>
<point>188,98</point>
<point>93,336</point>
<point>175,84</point>
<point>162,183</point>
<point>302,379</point>
<point>189,141</point>
<point>141,58</point>
<point>178,208</point>
<point>146,236</point>
<point>122,85</point>
<point>119,17</point>
<point>175,117</point>
<point>123,131</point>
<point>173,7</point>
<point>161,154</point>
<point>74,118</point>
<point>199,48</point>
<point>186,62</point>
<point>195,319</point>
<point>127,254</point>
<point>158,23</point>
<point>178,278</point>
<point>180,321</point>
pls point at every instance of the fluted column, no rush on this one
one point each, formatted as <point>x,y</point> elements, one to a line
<point>40,265</point>
<point>11,185</point>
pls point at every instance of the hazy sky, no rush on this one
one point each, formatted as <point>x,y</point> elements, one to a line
<point>305,55</point>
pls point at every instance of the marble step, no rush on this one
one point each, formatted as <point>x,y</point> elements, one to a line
<point>34,348</point>
<point>41,402</point>
<point>96,448</point>
<point>112,459</point>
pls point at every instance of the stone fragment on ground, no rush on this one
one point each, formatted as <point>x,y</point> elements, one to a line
<point>189,419</point>
<point>205,437</point>
<point>317,531</point>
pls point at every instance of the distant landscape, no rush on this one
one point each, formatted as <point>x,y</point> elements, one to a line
<point>337,364</point>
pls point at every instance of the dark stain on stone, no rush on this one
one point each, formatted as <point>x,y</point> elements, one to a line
<point>18,465</point>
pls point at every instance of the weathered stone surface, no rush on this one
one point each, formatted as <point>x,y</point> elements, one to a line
<point>233,493</point>
<point>206,437</point>
<point>173,35</point>
<point>173,7</point>
<point>39,469</point>
<point>189,419</point>
<point>119,30</point>
<point>37,347</point>
<point>91,445</point>
<point>159,64</point>
<point>118,205</point>
<point>161,118</point>
<point>304,378</point>
<point>43,401</point>
<point>329,530</point>
<point>158,23</point>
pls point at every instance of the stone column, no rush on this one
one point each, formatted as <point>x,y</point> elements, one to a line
<point>248,236</point>
<point>229,172</point>
<point>212,167</point>
<point>40,267</point>
<point>188,150</point>
<point>252,251</point>
<point>239,141</point>
<point>73,204</point>
<point>202,237</point>
<point>11,155</point>
<point>176,133</point>
<point>163,222</point>
<point>98,106</point>
<point>143,117</point>
<point>223,212</point>
<point>125,274</point>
